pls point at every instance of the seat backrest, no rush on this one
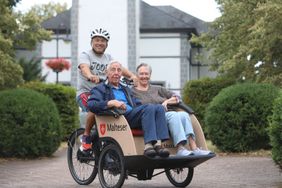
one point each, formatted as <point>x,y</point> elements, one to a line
<point>199,134</point>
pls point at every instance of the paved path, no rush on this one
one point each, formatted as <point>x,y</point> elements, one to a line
<point>219,172</point>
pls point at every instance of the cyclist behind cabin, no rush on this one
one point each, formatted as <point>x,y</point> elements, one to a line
<point>91,67</point>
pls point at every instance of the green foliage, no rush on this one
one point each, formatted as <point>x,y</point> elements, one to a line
<point>30,31</point>
<point>248,32</point>
<point>198,93</point>
<point>275,131</point>
<point>64,97</point>
<point>10,72</point>
<point>13,2</point>
<point>16,30</point>
<point>236,119</point>
<point>29,124</point>
<point>31,69</point>
<point>7,26</point>
<point>49,10</point>
<point>275,80</point>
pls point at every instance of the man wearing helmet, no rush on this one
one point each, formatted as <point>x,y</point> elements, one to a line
<point>91,67</point>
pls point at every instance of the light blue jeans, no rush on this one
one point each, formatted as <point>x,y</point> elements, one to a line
<point>180,126</point>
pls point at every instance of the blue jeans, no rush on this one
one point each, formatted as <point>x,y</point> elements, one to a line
<point>180,126</point>
<point>151,118</point>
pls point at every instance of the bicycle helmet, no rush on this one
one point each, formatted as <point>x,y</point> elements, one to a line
<point>100,33</point>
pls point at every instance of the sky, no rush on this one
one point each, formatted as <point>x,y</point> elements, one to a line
<point>206,10</point>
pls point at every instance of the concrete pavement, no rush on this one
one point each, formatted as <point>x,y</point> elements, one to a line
<point>219,172</point>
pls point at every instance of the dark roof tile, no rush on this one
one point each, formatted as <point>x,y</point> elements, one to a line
<point>152,19</point>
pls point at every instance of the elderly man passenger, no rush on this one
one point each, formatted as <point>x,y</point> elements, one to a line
<point>149,117</point>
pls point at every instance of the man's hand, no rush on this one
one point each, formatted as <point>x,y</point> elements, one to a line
<point>117,104</point>
<point>134,79</point>
<point>93,78</point>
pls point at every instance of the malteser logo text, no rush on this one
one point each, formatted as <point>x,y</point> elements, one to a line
<point>115,127</point>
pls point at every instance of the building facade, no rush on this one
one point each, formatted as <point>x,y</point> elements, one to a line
<point>140,33</point>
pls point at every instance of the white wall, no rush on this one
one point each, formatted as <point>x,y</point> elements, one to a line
<point>110,15</point>
<point>162,52</point>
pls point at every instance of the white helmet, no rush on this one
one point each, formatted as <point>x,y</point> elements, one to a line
<point>100,33</point>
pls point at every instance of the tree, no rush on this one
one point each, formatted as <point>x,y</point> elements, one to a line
<point>46,11</point>
<point>10,72</point>
<point>246,42</point>
<point>19,30</point>
<point>30,31</point>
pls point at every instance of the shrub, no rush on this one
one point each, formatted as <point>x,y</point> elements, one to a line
<point>64,97</point>
<point>236,119</point>
<point>275,131</point>
<point>30,124</point>
<point>199,93</point>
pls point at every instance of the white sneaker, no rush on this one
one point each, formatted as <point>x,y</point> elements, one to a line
<point>201,152</point>
<point>183,152</point>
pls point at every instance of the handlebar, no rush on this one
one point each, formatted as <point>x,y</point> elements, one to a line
<point>124,80</point>
<point>100,80</point>
<point>182,106</point>
<point>127,81</point>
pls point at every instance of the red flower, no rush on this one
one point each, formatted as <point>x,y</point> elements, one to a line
<point>58,64</point>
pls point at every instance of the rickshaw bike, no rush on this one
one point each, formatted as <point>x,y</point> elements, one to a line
<point>117,152</point>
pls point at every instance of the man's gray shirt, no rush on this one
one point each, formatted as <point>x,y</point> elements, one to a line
<point>97,65</point>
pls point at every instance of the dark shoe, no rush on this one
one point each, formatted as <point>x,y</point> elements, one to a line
<point>86,145</point>
<point>84,153</point>
<point>150,152</point>
<point>162,152</point>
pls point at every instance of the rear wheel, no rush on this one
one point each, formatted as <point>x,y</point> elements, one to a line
<point>111,167</point>
<point>180,177</point>
<point>82,168</point>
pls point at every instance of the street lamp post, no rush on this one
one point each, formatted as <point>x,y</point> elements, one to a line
<point>57,54</point>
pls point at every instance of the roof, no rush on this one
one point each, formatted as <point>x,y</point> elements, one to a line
<point>152,19</point>
<point>200,25</point>
<point>59,23</point>
<point>155,19</point>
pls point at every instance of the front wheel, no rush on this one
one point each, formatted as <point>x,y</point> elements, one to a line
<point>111,167</point>
<point>82,168</point>
<point>180,177</point>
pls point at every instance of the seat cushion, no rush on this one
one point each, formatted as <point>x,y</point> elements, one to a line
<point>137,132</point>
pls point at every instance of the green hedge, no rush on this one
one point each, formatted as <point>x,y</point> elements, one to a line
<point>30,124</point>
<point>236,119</point>
<point>275,131</point>
<point>64,97</point>
<point>198,94</point>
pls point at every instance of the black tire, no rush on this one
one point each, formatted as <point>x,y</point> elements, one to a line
<point>83,169</point>
<point>111,167</point>
<point>180,177</point>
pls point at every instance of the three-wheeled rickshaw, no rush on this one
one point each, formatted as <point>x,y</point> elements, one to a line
<point>117,152</point>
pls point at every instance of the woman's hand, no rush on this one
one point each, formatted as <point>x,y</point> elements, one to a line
<point>165,104</point>
<point>172,100</point>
